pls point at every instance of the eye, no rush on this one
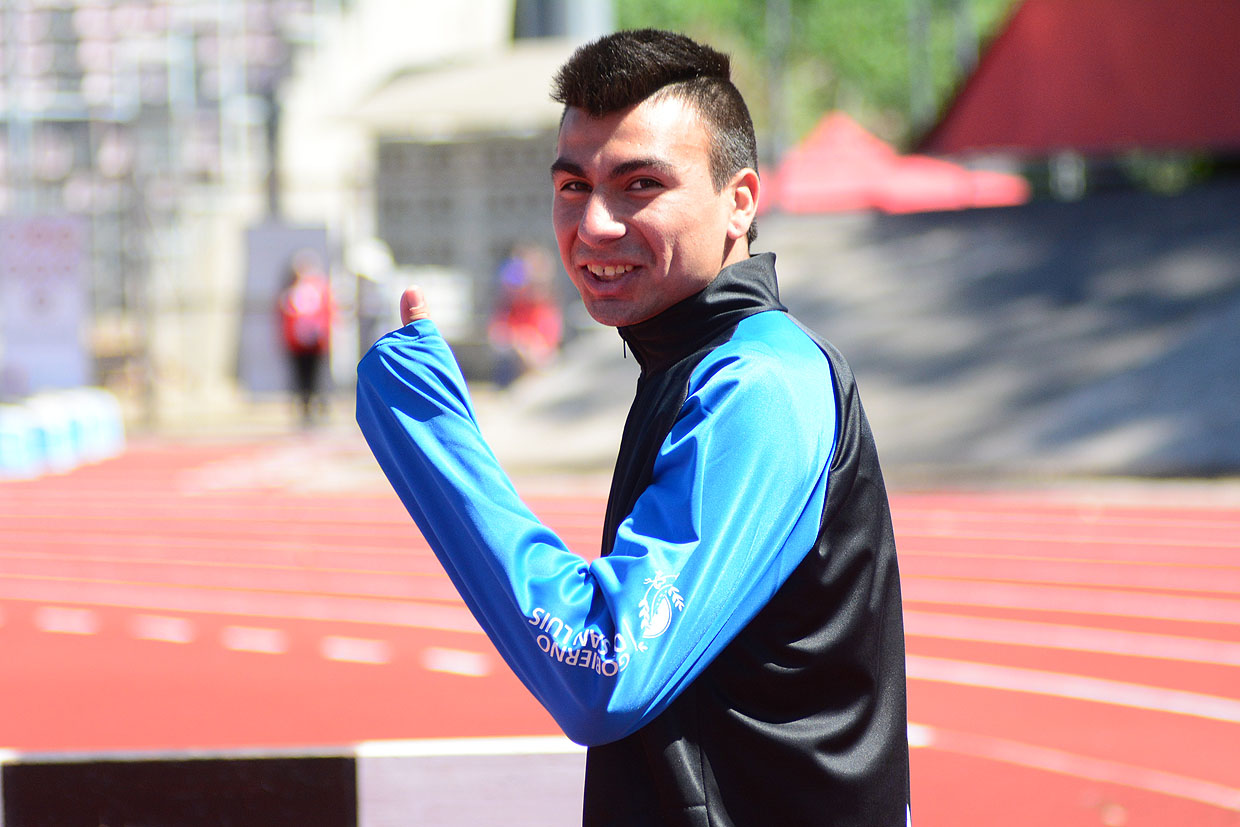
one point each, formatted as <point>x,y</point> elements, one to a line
<point>641,184</point>
<point>573,185</point>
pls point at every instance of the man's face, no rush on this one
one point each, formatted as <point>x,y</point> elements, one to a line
<point>637,219</point>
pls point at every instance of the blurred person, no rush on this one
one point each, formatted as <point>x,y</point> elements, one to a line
<point>306,309</point>
<point>736,654</point>
<point>527,325</point>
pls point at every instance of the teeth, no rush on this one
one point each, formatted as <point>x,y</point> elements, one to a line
<point>609,271</point>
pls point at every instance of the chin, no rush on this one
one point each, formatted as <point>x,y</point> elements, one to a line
<point>611,315</point>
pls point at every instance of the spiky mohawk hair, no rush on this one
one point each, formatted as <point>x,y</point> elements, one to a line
<point>621,69</point>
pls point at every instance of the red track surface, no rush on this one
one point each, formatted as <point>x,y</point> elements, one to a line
<point>1074,659</point>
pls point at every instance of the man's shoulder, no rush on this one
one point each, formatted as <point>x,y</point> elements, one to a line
<point>770,355</point>
<point>774,339</point>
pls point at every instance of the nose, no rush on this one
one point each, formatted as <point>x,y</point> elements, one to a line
<point>599,221</point>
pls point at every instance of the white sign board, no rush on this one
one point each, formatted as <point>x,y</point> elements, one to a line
<point>43,304</point>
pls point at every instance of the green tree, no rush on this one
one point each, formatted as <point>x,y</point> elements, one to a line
<point>854,55</point>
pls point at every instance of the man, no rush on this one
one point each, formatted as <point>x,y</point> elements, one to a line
<point>736,655</point>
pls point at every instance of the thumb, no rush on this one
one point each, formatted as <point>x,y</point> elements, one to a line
<point>413,305</point>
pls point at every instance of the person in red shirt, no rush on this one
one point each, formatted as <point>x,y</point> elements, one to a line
<point>306,310</point>
<point>527,325</point>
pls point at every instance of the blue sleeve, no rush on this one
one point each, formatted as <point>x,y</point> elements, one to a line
<point>734,505</point>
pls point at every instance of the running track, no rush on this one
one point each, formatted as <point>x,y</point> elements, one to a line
<point>1074,654</point>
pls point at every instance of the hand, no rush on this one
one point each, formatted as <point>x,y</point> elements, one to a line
<point>413,305</point>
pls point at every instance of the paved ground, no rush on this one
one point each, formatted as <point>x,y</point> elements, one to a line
<point>1072,648</point>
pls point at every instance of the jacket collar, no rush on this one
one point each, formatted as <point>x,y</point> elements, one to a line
<point>740,290</point>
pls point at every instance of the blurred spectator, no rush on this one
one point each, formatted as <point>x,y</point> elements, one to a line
<point>306,310</point>
<point>526,328</point>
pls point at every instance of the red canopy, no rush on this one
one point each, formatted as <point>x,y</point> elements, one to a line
<point>840,167</point>
<point>1101,76</point>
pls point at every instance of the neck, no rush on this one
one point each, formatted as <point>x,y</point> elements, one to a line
<point>739,290</point>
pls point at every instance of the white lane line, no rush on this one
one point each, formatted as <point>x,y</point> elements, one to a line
<point>390,583</point>
<point>1068,599</point>
<point>66,621</point>
<point>440,616</point>
<point>162,628</point>
<point>246,548</point>
<point>1146,507</point>
<point>254,639</point>
<point>920,735</point>
<point>1184,555</point>
<point>1208,580</point>
<point>1075,638</point>
<point>1077,766</point>
<point>434,747</point>
<point>355,650</point>
<point>1037,526</point>
<point>456,662</point>
<point>1076,687</point>
<point>1073,540</point>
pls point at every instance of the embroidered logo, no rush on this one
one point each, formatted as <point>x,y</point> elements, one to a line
<point>656,606</point>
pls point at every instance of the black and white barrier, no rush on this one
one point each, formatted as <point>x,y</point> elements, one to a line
<point>516,782</point>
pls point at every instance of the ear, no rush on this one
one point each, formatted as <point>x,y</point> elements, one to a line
<point>744,187</point>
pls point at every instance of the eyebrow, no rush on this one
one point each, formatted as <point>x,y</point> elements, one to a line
<point>618,171</point>
<point>567,167</point>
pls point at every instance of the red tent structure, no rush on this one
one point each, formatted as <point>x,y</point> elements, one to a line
<point>841,167</point>
<point>1099,77</point>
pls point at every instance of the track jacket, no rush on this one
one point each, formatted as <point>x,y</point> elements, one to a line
<point>735,657</point>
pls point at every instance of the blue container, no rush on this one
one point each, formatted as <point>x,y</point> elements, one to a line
<point>57,432</point>
<point>21,445</point>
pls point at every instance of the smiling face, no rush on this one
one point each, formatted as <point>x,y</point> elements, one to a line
<point>639,223</point>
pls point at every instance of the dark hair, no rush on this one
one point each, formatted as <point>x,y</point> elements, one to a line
<point>625,68</point>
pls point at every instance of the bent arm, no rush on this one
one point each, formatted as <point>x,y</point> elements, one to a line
<point>604,646</point>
